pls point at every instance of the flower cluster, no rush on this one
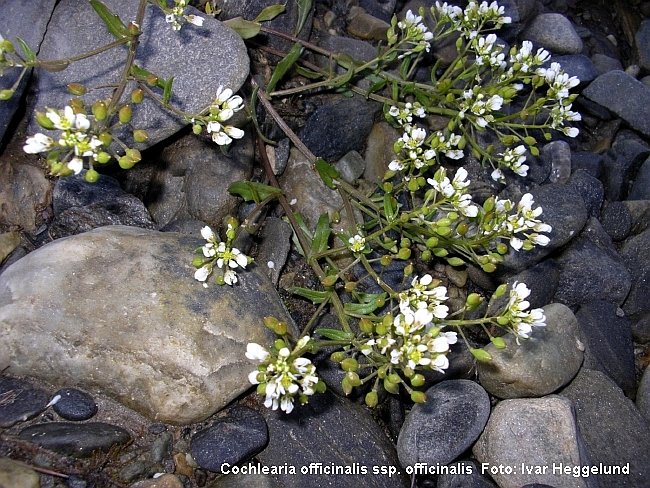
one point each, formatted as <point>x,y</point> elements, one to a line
<point>220,254</point>
<point>414,32</point>
<point>559,84</point>
<point>283,375</point>
<point>413,340</point>
<point>176,15</point>
<point>222,109</point>
<point>473,18</point>
<point>516,313</point>
<point>488,52</point>
<point>357,243</point>
<point>455,191</point>
<point>415,151</point>
<point>480,106</point>
<point>514,159</point>
<point>76,141</point>
<point>522,227</point>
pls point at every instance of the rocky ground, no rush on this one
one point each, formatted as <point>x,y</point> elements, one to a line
<point>120,370</point>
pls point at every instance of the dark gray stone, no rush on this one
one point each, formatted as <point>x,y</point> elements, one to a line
<point>641,328</point>
<point>535,432</point>
<point>274,247</point>
<point>27,20</point>
<point>540,365</point>
<point>339,127</point>
<point>382,9</point>
<point>75,404</point>
<point>642,39</point>
<point>467,475</point>
<point>80,206</point>
<point>604,278</point>
<point>555,33</point>
<point>75,439</point>
<point>636,256</point>
<point>641,186</point>
<point>625,96</point>
<point>640,213</point>
<point>446,425</point>
<point>219,58</point>
<point>613,430</point>
<point>621,162</point>
<point>587,161</point>
<point>542,280</point>
<point>643,395</point>
<point>564,211</point>
<point>351,166</point>
<point>558,155</point>
<point>577,65</point>
<point>616,220</point>
<point>19,401</point>
<point>236,436</point>
<point>591,190</point>
<point>334,432</point>
<point>604,63</point>
<point>607,338</point>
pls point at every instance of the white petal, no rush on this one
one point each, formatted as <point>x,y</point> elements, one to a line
<point>76,165</point>
<point>252,377</point>
<point>202,273</point>
<point>207,233</point>
<point>256,352</point>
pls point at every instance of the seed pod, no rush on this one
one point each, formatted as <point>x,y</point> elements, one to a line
<point>349,364</point>
<point>125,114</point>
<point>498,342</point>
<point>77,105</point>
<point>140,135</point>
<point>91,176</point>
<point>372,399</point>
<point>385,260</point>
<point>103,157</point>
<point>481,355</point>
<point>418,396</point>
<point>338,356</point>
<point>271,322</point>
<point>6,94</point>
<point>391,387</point>
<point>473,300</point>
<point>76,89</point>
<point>366,326</point>
<point>106,138</point>
<point>134,154</point>
<point>196,129</point>
<point>137,95</point>
<point>44,121</point>
<point>197,262</point>
<point>417,380</point>
<point>126,162</point>
<point>350,286</point>
<point>404,253</point>
<point>99,110</point>
<point>500,291</point>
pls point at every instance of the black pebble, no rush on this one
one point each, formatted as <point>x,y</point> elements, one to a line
<point>75,404</point>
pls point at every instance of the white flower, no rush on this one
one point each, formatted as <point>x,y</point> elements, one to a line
<point>194,19</point>
<point>357,243</point>
<point>207,233</point>
<point>202,273</point>
<point>256,352</point>
<point>76,164</point>
<point>230,277</point>
<point>38,143</point>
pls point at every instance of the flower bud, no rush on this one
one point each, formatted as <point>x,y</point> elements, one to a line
<point>197,262</point>
<point>500,291</point>
<point>372,399</point>
<point>140,135</point>
<point>338,356</point>
<point>279,344</point>
<point>7,46</point>
<point>196,129</point>
<point>473,300</point>
<point>76,89</point>
<point>77,105</point>
<point>91,176</point>
<point>103,157</point>
<point>366,326</point>
<point>385,260</point>
<point>502,248</point>
<point>481,355</point>
<point>503,321</point>
<point>137,95</point>
<point>261,389</point>
<point>418,396</point>
<point>320,387</point>
<point>349,364</point>
<point>99,110</point>
<point>404,253</point>
<point>44,121</point>
<point>488,205</point>
<point>125,114</point>
<point>412,185</point>
<point>498,342</point>
<point>6,94</point>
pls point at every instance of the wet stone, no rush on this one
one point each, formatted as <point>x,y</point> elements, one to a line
<point>75,439</point>
<point>234,437</point>
<point>16,475</point>
<point>19,401</point>
<point>75,404</point>
<point>616,220</point>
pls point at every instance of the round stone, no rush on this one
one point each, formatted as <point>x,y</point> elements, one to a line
<point>75,404</point>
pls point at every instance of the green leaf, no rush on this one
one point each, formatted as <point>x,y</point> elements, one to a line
<point>140,73</point>
<point>371,297</point>
<point>167,90</point>
<point>304,7</point>
<point>321,235</point>
<point>269,13</point>
<point>363,308</point>
<point>335,334</point>
<point>253,191</point>
<point>377,83</point>
<point>245,28</point>
<point>327,172</point>
<point>390,207</point>
<point>307,73</point>
<point>284,65</point>
<point>113,22</point>
<point>28,54</point>
<point>455,261</point>
<point>314,296</point>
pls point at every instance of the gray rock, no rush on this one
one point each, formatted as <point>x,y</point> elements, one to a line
<point>587,161</point>
<point>554,32</point>
<point>623,95</point>
<point>219,58</point>
<point>75,404</point>
<point>640,214</point>
<point>17,475</point>
<point>351,166</point>
<point>9,241</point>
<point>591,190</point>
<point>643,395</point>
<point>564,211</point>
<point>621,162</point>
<point>339,127</point>
<point>446,425</point>
<point>558,155</point>
<point>542,280</point>
<point>363,25</point>
<point>642,39</point>
<point>535,433</point>
<point>578,283</point>
<point>577,65</point>
<point>259,480</point>
<point>274,247</point>
<point>641,186</point>
<point>613,430</point>
<point>607,338</point>
<point>467,475</point>
<point>379,150</point>
<point>27,20</point>
<point>24,192</point>
<point>19,401</point>
<point>382,9</point>
<point>641,328</point>
<point>538,366</point>
<point>604,63</point>
<point>334,432</point>
<point>164,481</point>
<point>80,206</point>
<point>232,438</point>
<point>636,253</point>
<point>616,220</point>
<point>163,324</point>
<point>75,439</point>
